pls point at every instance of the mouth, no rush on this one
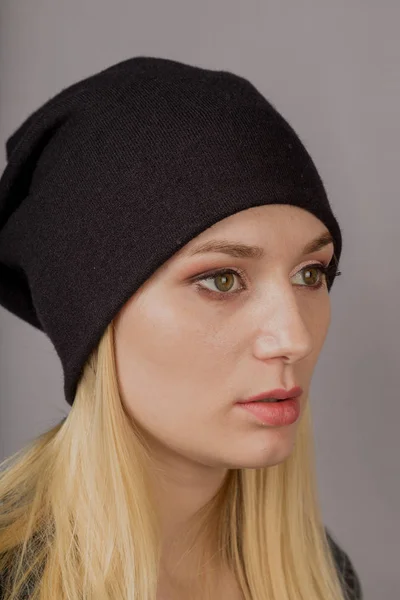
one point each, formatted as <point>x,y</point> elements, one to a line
<point>267,400</point>
<point>277,395</point>
<point>273,412</point>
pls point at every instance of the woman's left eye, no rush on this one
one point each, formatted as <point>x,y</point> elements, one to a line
<point>224,276</point>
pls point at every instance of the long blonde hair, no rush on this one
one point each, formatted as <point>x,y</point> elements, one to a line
<point>78,519</point>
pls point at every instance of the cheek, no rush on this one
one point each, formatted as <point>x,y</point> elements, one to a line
<point>166,359</point>
<point>320,324</point>
<point>317,322</point>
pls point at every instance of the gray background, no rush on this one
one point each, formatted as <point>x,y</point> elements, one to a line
<point>332,69</point>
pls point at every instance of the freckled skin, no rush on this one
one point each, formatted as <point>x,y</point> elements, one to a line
<point>184,359</point>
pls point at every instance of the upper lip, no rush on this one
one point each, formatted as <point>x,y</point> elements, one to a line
<point>279,394</point>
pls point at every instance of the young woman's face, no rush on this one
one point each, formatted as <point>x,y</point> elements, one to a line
<point>188,351</point>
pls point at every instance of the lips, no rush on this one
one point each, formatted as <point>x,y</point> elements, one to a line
<point>277,394</point>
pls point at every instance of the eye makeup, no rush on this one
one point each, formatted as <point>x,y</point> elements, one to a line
<point>324,270</point>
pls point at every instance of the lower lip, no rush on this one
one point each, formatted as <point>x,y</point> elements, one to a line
<point>281,413</point>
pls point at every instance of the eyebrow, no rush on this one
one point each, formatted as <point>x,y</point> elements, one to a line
<point>238,250</point>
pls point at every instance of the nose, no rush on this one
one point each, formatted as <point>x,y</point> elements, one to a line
<point>284,333</point>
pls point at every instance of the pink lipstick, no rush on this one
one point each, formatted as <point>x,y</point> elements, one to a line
<point>285,411</point>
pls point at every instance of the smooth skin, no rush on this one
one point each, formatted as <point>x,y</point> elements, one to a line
<point>185,356</point>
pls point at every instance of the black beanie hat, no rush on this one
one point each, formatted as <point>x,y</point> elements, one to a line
<point>113,175</point>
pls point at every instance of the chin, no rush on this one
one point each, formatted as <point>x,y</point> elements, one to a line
<point>266,455</point>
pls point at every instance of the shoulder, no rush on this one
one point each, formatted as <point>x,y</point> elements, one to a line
<point>3,575</point>
<point>351,582</point>
<point>4,585</point>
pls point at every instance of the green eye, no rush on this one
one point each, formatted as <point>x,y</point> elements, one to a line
<point>225,279</point>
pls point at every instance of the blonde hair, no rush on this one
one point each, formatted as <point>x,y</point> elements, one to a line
<point>78,519</point>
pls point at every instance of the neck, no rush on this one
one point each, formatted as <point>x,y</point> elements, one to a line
<point>220,583</point>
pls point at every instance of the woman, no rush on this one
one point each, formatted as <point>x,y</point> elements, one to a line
<point>168,231</point>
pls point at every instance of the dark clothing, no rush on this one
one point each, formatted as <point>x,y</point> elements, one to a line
<point>346,571</point>
<point>350,581</point>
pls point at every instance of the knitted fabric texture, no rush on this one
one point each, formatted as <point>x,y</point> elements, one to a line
<point>114,174</point>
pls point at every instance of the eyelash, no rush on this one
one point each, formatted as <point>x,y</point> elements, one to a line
<point>324,269</point>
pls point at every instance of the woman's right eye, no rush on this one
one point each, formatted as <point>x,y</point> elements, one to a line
<point>227,277</point>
